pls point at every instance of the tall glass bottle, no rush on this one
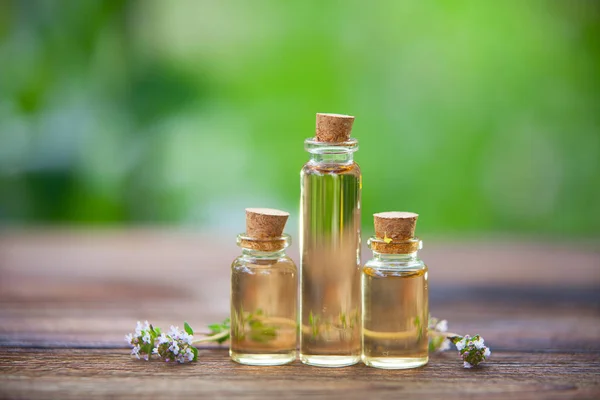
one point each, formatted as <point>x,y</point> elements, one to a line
<point>395,296</point>
<point>330,246</point>
<point>264,291</point>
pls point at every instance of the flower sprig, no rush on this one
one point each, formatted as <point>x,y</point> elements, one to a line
<point>472,350</point>
<point>176,345</point>
<point>142,340</point>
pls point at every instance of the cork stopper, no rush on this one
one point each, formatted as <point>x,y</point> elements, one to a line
<point>265,223</point>
<point>395,225</point>
<point>334,128</point>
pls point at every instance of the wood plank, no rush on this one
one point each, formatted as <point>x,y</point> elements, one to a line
<point>76,374</point>
<point>120,253</point>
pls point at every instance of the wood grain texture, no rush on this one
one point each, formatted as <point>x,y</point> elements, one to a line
<point>77,374</point>
<point>68,297</point>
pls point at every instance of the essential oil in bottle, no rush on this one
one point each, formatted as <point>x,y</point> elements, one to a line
<point>395,296</point>
<point>330,246</point>
<point>264,291</point>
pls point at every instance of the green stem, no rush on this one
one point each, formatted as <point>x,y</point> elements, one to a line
<point>448,335</point>
<point>212,338</point>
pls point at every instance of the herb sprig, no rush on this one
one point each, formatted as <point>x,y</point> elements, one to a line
<point>472,350</point>
<point>178,345</point>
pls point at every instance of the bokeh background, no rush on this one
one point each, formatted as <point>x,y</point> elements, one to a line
<point>482,116</point>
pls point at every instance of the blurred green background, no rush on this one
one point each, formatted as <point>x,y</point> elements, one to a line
<point>484,117</point>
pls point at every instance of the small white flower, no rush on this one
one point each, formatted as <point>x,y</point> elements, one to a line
<point>487,352</point>
<point>467,365</point>
<point>478,343</point>
<point>189,354</point>
<point>174,348</point>
<point>163,339</point>
<point>461,344</point>
<point>187,338</point>
<point>136,351</point>
<point>146,337</point>
<point>445,345</point>
<point>138,329</point>
<point>442,326</point>
<point>129,338</point>
<point>174,333</point>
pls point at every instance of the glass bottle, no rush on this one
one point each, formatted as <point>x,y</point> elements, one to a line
<point>395,296</point>
<point>330,246</point>
<point>264,291</point>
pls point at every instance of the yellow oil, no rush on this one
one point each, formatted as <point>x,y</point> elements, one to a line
<point>395,317</point>
<point>263,311</point>
<point>330,255</point>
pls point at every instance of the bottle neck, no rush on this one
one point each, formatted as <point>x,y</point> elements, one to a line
<point>408,257</point>
<point>263,255</point>
<point>331,153</point>
<point>331,158</point>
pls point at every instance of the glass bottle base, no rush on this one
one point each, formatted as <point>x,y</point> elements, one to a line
<point>329,361</point>
<point>263,359</point>
<point>395,362</point>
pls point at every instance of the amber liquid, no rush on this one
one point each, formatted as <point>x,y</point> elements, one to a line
<point>395,317</point>
<point>330,265</point>
<point>263,311</point>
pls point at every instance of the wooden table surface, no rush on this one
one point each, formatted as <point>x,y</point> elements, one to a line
<point>67,298</point>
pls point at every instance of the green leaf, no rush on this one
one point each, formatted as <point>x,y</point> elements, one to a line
<point>432,346</point>
<point>195,351</point>
<point>188,328</point>
<point>263,335</point>
<point>256,324</point>
<point>435,343</point>
<point>223,339</point>
<point>455,339</point>
<point>343,320</point>
<point>147,348</point>
<point>218,328</point>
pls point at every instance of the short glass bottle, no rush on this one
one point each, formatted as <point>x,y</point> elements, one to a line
<point>264,291</point>
<point>395,305</point>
